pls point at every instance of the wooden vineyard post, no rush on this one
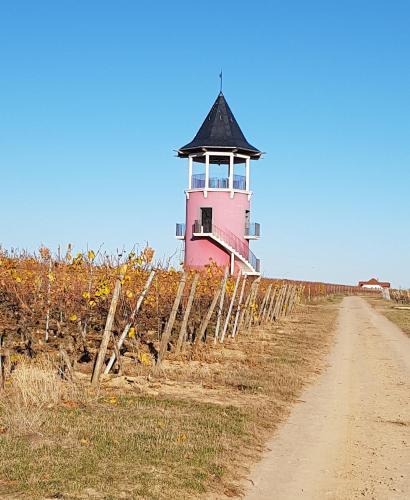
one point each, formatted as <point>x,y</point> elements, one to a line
<point>243,312</point>
<point>238,309</point>
<point>249,304</point>
<point>275,312</point>
<point>268,304</point>
<point>278,302</point>
<point>182,332</point>
<point>107,332</point>
<point>288,297</point>
<point>253,301</point>
<point>221,304</point>
<point>290,300</point>
<point>298,295</point>
<point>170,323</point>
<point>228,314</point>
<point>130,322</point>
<point>293,299</point>
<point>265,304</point>
<point>257,310</point>
<point>296,298</point>
<point>49,277</point>
<point>262,307</point>
<point>282,302</point>
<point>207,319</point>
<point>284,311</point>
<point>268,315</point>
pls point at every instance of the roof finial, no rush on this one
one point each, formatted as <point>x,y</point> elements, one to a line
<point>220,76</point>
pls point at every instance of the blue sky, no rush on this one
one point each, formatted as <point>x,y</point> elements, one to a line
<point>96,96</point>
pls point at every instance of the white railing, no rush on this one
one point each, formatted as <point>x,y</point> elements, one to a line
<point>198,182</point>
<point>226,236</point>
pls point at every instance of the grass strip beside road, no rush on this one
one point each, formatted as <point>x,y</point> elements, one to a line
<point>122,448</point>
<point>393,312</point>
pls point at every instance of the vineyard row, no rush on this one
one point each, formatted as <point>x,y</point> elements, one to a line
<point>91,308</point>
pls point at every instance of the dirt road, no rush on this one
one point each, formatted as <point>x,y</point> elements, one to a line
<point>349,437</point>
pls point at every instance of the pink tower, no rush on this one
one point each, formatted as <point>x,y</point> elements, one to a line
<point>218,219</point>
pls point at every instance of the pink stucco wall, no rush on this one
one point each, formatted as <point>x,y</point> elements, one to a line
<point>227,213</point>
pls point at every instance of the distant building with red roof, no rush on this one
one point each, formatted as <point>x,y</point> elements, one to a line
<point>374,284</point>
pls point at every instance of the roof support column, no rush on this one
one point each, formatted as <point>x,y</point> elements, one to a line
<point>232,264</point>
<point>231,163</point>
<point>247,186</point>
<point>206,187</point>
<point>190,172</point>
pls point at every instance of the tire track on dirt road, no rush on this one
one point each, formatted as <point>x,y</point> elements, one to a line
<point>349,437</point>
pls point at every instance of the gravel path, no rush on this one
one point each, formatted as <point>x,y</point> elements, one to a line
<point>349,437</point>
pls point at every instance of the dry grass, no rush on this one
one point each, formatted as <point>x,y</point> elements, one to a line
<point>401,317</point>
<point>34,388</point>
<point>135,447</point>
<point>192,432</point>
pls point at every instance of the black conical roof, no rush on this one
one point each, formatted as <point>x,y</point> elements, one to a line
<point>220,132</point>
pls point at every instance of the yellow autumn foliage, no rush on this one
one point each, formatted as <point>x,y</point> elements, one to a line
<point>144,358</point>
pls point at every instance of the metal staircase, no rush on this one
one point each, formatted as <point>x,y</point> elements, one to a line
<point>234,245</point>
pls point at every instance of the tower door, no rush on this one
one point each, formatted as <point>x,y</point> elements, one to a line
<point>206,219</point>
<point>247,218</point>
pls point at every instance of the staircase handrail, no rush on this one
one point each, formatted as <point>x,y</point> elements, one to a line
<point>227,237</point>
<point>236,243</point>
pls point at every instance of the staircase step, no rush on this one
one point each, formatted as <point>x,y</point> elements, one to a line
<point>231,249</point>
